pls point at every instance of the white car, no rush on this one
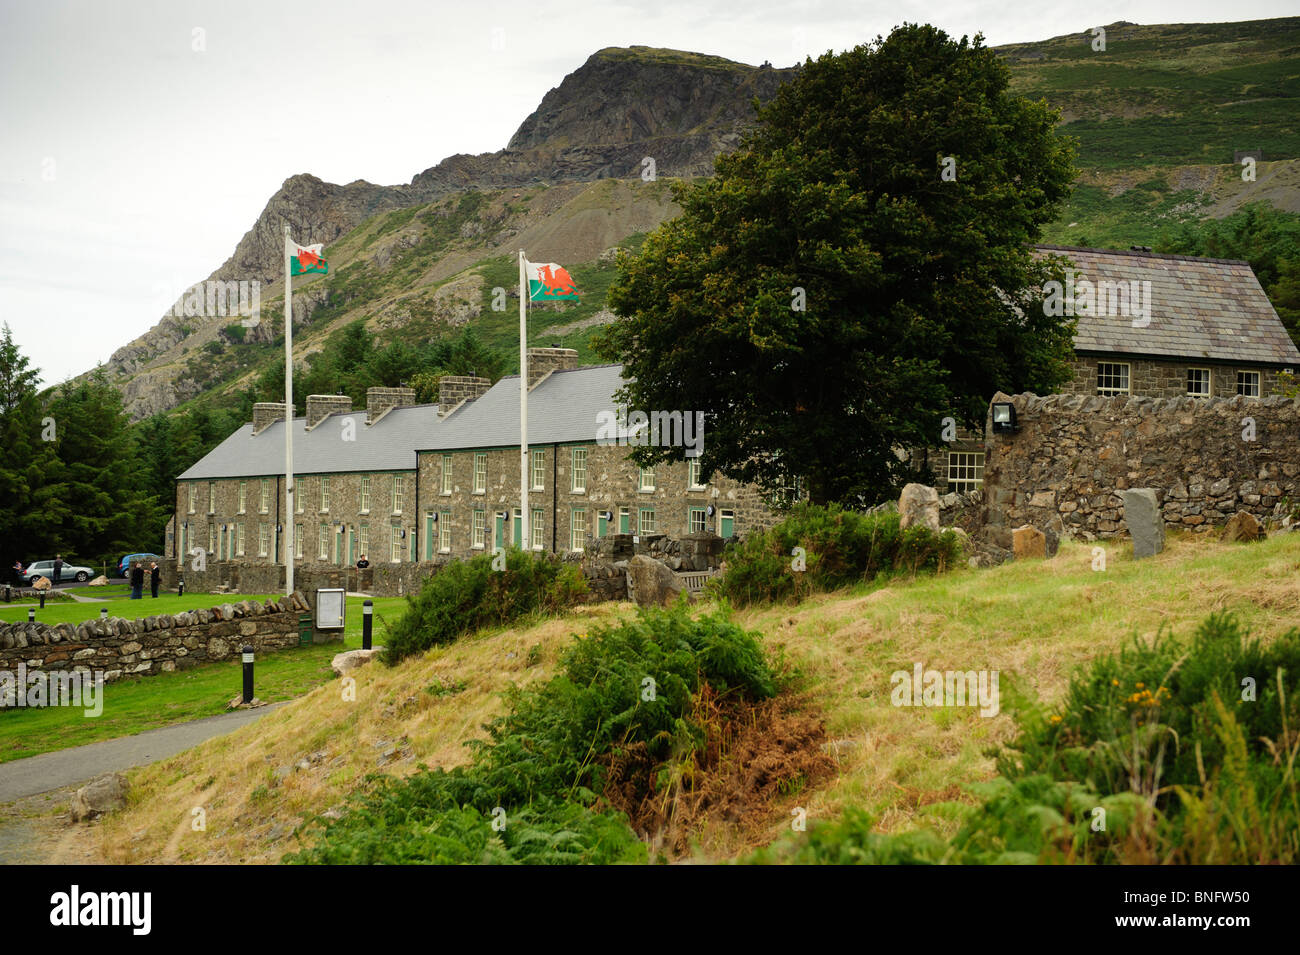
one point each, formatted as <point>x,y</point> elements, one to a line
<point>45,568</point>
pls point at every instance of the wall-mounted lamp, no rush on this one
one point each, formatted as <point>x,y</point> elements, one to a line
<point>434,517</point>
<point>607,515</point>
<point>709,510</point>
<point>1004,417</point>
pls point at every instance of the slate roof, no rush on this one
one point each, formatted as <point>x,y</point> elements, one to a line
<point>1201,309</point>
<point>563,407</point>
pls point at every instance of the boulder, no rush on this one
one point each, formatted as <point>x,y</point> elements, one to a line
<point>343,663</point>
<point>41,583</point>
<point>1243,526</point>
<point>102,794</point>
<point>99,581</point>
<point>1028,543</point>
<point>650,583</point>
<point>919,505</point>
<point>1146,525</point>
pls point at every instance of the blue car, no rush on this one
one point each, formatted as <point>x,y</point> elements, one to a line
<point>124,565</point>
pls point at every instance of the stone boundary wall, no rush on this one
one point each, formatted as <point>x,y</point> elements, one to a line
<point>1205,458</point>
<point>155,644</point>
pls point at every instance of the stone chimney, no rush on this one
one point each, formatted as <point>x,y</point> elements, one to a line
<point>380,400</point>
<point>265,414</point>
<point>454,389</point>
<point>543,361</point>
<point>319,407</point>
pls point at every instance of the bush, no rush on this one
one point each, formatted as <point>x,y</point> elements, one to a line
<point>466,596</point>
<point>841,548</point>
<point>544,761</point>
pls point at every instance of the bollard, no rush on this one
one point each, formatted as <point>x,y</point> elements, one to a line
<point>42,600</point>
<point>103,613</point>
<point>367,617</point>
<point>248,674</point>
<point>180,588</point>
<point>31,614</point>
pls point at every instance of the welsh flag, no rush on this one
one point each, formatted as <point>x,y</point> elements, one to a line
<point>306,258</point>
<point>548,282</point>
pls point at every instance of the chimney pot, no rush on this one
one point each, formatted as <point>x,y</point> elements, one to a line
<point>265,414</point>
<point>543,361</point>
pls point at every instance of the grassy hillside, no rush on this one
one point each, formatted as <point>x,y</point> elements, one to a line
<point>1033,622</point>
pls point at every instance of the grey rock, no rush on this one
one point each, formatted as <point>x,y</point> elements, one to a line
<point>918,505</point>
<point>1146,524</point>
<point>102,794</point>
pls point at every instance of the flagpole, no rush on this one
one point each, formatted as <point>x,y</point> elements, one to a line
<point>525,515</point>
<point>288,418</point>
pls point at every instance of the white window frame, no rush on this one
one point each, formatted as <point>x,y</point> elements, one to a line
<point>193,489</point>
<point>262,539</point>
<point>212,497</point>
<point>693,474</point>
<point>212,539</point>
<point>645,475</point>
<point>480,472</point>
<point>478,528</point>
<point>1247,375</point>
<point>578,470</point>
<point>323,540</point>
<point>1110,390</point>
<point>239,541</point>
<point>578,529</point>
<point>641,526</point>
<point>539,526</point>
<point>365,494</point>
<point>446,474</point>
<point>266,496</point>
<point>300,496</point>
<point>363,540</point>
<point>539,469</point>
<point>399,492</point>
<point>395,539</point>
<point>965,471</point>
<point>243,496</point>
<point>297,541</point>
<point>1209,382</point>
<point>324,495</point>
<point>444,532</point>
<point>703,514</point>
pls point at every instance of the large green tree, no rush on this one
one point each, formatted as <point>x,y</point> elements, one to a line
<point>857,271</point>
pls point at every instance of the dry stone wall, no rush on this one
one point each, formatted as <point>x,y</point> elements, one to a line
<point>156,644</point>
<point>1073,455</point>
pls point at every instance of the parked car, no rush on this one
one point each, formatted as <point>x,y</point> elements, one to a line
<point>45,568</point>
<point>125,563</point>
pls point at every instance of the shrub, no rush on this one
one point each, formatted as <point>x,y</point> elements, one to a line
<point>466,596</point>
<point>544,760</point>
<point>841,547</point>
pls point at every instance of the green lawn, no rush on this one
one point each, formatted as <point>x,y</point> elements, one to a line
<point>142,703</point>
<point>120,605</point>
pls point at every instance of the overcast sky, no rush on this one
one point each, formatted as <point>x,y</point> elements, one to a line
<point>140,139</point>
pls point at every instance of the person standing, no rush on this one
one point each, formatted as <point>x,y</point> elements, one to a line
<point>18,573</point>
<point>362,564</point>
<point>137,581</point>
<point>155,574</point>
<point>58,568</point>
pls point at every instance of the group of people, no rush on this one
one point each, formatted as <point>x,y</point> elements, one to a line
<point>137,579</point>
<point>137,576</point>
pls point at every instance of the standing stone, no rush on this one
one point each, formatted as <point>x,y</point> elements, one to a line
<point>1146,525</point>
<point>650,583</point>
<point>1243,526</point>
<point>102,794</point>
<point>919,505</point>
<point>1028,543</point>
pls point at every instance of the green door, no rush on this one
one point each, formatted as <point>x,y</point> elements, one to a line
<point>519,528</point>
<point>501,530</point>
<point>338,546</point>
<point>602,525</point>
<point>726,524</point>
<point>352,545</point>
<point>622,520</point>
<point>428,535</point>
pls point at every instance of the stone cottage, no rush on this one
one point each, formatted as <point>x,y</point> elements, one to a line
<point>1153,326</point>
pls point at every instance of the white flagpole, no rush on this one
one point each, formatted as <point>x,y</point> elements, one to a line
<point>525,515</point>
<point>288,418</point>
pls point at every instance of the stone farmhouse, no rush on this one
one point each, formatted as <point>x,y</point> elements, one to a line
<point>402,482</point>
<point>1154,326</point>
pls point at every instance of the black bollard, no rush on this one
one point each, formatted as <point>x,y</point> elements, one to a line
<point>103,613</point>
<point>248,674</point>
<point>42,600</point>
<point>180,588</point>
<point>31,614</point>
<point>367,618</point>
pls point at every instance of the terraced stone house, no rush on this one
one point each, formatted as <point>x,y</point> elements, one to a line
<point>1159,326</point>
<point>403,482</point>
